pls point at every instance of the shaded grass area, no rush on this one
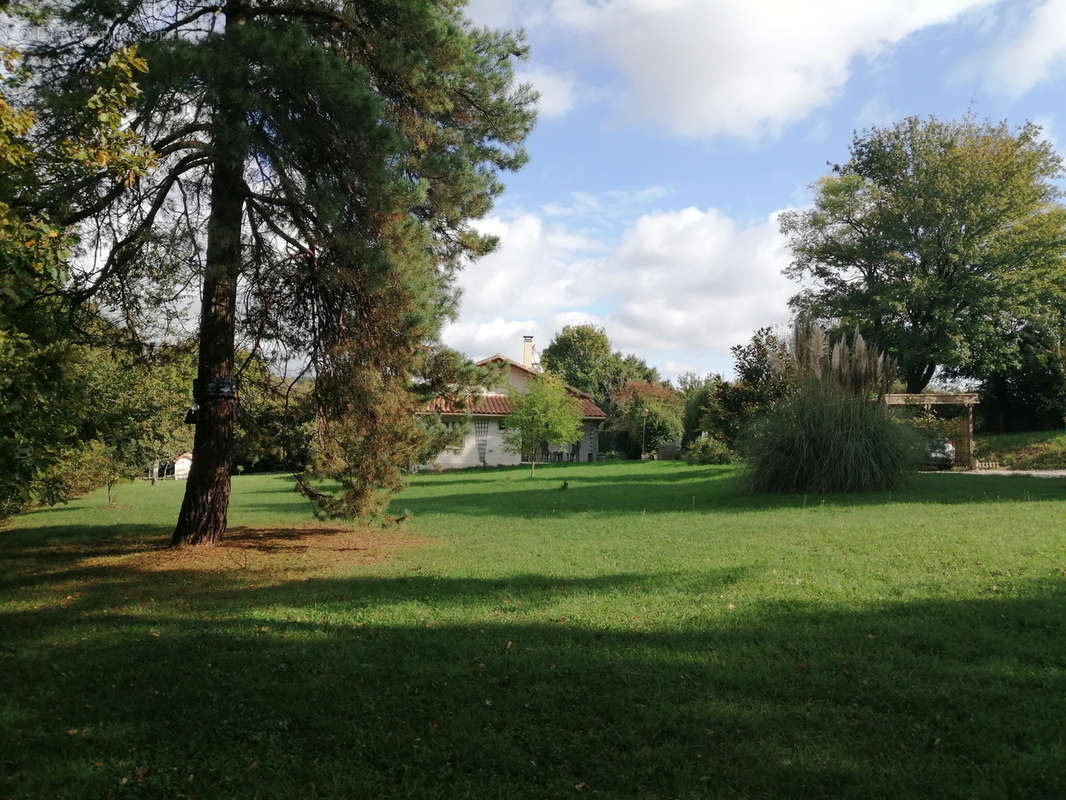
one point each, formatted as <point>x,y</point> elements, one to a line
<point>1029,450</point>
<point>514,639</point>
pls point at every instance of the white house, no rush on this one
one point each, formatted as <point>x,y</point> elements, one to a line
<point>484,446</point>
<point>182,464</point>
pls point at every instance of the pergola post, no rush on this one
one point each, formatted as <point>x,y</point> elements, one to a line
<point>970,464</point>
<point>928,400</point>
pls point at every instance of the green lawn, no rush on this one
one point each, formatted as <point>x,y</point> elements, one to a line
<point>1028,450</point>
<point>650,631</point>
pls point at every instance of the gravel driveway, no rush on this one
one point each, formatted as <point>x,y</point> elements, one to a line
<point>1033,473</point>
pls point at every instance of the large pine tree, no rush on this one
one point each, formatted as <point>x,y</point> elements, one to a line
<point>318,163</point>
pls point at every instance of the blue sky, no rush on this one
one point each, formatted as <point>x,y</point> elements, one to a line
<point>672,132</point>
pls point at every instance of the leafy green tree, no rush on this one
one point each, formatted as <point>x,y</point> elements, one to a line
<point>546,412</point>
<point>697,396</point>
<point>275,418</point>
<point>581,355</point>
<point>623,369</point>
<point>334,153</point>
<point>578,354</point>
<point>764,363</point>
<point>689,382</point>
<point>36,173</point>
<point>937,240</point>
<point>1030,394</point>
<point>44,398</point>
<point>650,414</point>
<point>111,415</point>
<point>164,381</point>
<point>764,370</point>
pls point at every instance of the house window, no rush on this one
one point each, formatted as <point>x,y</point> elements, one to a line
<point>481,436</point>
<point>503,424</point>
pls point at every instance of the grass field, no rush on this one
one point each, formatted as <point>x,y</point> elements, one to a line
<point>651,631</point>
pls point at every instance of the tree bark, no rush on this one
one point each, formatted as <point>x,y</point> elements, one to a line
<point>202,519</point>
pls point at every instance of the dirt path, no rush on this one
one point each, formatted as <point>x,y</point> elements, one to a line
<point>1032,473</point>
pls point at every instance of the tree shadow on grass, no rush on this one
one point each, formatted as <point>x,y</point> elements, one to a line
<point>46,557</point>
<point>62,544</point>
<point>666,472</point>
<point>710,490</point>
<point>294,690</point>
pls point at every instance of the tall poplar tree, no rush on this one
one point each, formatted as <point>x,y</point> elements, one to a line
<point>318,163</point>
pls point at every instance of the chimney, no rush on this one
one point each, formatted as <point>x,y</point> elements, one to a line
<point>527,352</point>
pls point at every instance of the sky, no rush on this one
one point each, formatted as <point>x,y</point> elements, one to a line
<point>671,134</point>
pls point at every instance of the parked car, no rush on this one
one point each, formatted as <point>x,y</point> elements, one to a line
<point>941,453</point>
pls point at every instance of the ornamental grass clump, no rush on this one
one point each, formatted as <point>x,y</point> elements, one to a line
<point>820,439</point>
<point>832,433</point>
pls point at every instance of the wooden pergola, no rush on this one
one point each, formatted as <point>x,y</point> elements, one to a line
<point>927,401</point>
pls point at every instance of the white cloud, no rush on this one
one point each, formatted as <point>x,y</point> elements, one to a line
<point>540,268</point>
<point>557,89</point>
<point>489,13</point>
<point>708,67</point>
<point>1034,54</point>
<point>678,287</point>
<point>610,206</point>
<point>693,279</point>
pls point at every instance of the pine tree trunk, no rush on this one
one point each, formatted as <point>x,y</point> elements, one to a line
<point>202,519</point>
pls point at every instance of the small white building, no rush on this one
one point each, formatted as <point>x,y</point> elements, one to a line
<point>182,465</point>
<point>484,445</point>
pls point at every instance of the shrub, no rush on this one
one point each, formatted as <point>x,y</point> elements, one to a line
<point>822,439</point>
<point>708,451</point>
<point>650,414</point>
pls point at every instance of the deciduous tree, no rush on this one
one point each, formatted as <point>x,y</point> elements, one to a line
<point>937,240</point>
<point>764,371</point>
<point>650,414</point>
<point>581,355</point>
<point>578,354</point>
<point>44,397</point>
<point>545,412</point>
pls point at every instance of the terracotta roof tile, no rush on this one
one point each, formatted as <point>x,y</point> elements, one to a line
<point>590,409</point>
<point>500,405</point>
<point>485,404</point>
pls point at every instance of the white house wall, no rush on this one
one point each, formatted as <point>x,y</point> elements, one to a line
<point>465,455</point>
<point>590,441</point>
<point>515,379</point>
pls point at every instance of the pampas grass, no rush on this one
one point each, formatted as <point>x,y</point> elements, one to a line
<point>820,439</point>
<point>832,433</point>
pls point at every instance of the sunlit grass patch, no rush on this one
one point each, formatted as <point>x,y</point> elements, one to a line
<point>652,630</point>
